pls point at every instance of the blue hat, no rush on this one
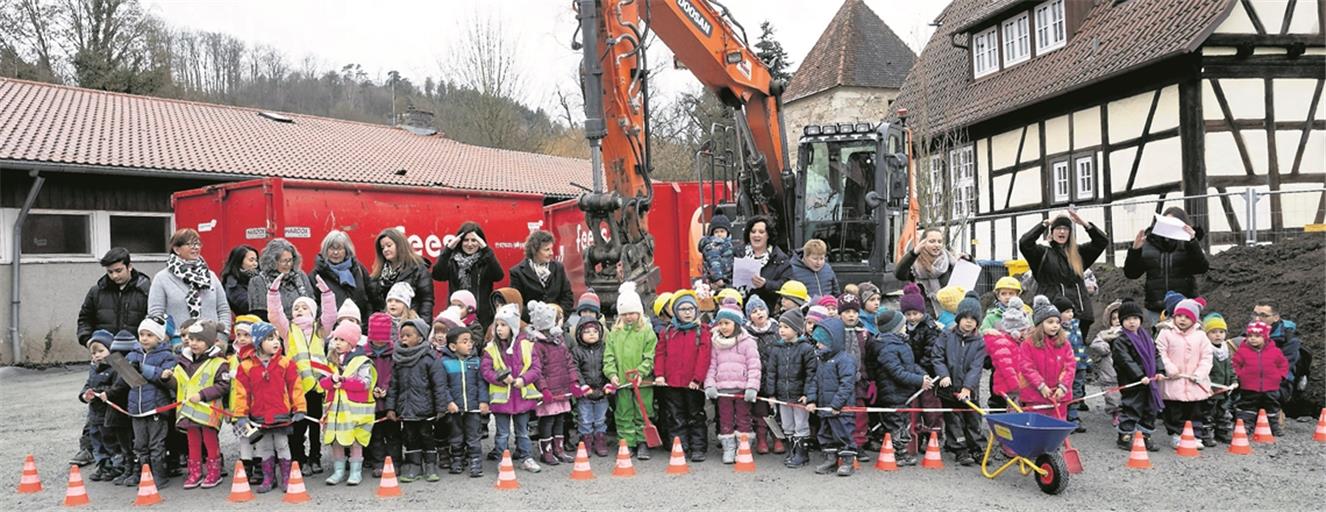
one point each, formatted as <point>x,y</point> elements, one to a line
<point>261,331</point>
<point>970,306</point>
<point>123,341</point>
<point>103,337</point>
<point>754,303</point>
<point>730,313</point>
<point>888,320</point>
<point>1172,298</point>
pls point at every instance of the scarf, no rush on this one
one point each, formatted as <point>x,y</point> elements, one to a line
<point>407,356</point>
<point>343,271</point>
<point>194,274</point>
<point>463,264</point>
<point>305,324</point>
<point>928,278</point>
<point>388,275</point>
<point>1221,352</point>
<point>542,270</point>
<point>722,342</point>
<point>291,278</point>
<point>686,326</point>
<point>1145,346</point>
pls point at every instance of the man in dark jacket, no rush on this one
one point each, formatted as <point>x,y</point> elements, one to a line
<point>1168,264</point>
<point>1284,333</point>
<point>959,358</point>
<point>833,388</point>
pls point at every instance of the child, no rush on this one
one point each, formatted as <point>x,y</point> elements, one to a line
<point>830,303</point>
<point>305,346</point>
<point>662,312</point>
<point>155,362</point>
<point>959,358</point>
<point>100,377</point>
<point>948,299</point>
<point>118,425</point>
<point>814,316</point>
<point>858,338</point>
<point>681,363</point>
<point>1260,366</point>
<point>1103,361</point>
<point>1072,327</point>
<point>765,332</point>
<point>588,305</point>
<point>557,382</point>
<point>1187,355</point>
<point>1217,421</point>
<point>469,306</point>
<point>351,393</point>
<point>811,267</point>
<point>467,403</point>
<point>511,367</point>
<point>268,398</point>
<point>241,344</point>
<point>1136,360</point>
<point>1003,346</point>
<point>792,295</point>
<point>417,393</point>
<point>628,356</point>
<point>788,371</point>
<point>897,379</point>
<point>1006,289</point>
<point>202,378</point>
<point>592,406</point>
<point>399,298</point>
<point>734,368</point>
<point>922,334</point>
<point>385,439</point>
<point>870,301</point>
<point>833,388</point>
<point>717,252</point>
<point>1045,363</point>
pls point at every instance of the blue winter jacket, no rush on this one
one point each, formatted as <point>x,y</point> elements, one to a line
<point>899,376</point>
<point>158,391</point>
<point>834,385</point>
<point>464,382</point>
<point>1079,347</point>
<point>961,359</point>
<point>818,284</point>
<point>1284,334</point>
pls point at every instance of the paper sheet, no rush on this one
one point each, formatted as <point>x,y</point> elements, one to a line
<point>965,274</point>
<point>1170,227</point>
<point>743,270</point>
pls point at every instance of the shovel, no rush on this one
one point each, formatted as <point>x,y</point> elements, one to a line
<point>126,370</point>
<point>652,439</point>
<point>1072,458</point>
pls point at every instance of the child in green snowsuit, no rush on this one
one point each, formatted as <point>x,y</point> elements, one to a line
<point>630,347</point>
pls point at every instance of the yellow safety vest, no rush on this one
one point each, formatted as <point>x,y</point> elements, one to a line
<point>303,353</point>
<point>348,421</point>
<point>501,393</point>
<point>198,412</point>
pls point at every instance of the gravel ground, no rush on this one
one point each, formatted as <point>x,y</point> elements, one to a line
<point>44,416</point>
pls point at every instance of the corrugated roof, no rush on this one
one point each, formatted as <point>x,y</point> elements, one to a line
<point>1114,38</point>
<point>857,49</point>
<point>42,122</point>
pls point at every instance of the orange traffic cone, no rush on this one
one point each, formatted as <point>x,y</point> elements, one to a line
<point>1240,446</point>
<point>1320,435</point>
<point>677,463</point>
<point>1188,441</point>
<point>147,489</point>
<point>30,482</point>
<point>745,460</point>
<point>1262,434</point>
<point>932,459</point>
<point>388,487</point>
<point>294,489</point>
<point>239,488</point>
<point>506,473</point>
<point>75,495</point>
<point>886,460</point>
<point>1138,459</point>
<point>582,471</point>
<point>624,467</point>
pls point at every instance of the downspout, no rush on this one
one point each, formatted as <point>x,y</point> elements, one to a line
<point>16,253</point>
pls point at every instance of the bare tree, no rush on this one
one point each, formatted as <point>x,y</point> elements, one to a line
<point>484,60</point>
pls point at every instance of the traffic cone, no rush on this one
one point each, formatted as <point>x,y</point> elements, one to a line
<point>75,495</point>
<point>388,487</point>
<point>239,487</point>
<point>624,467</point>
<point>1187,441</point>
<point>1320,435</point>
<point>932,459</point>
<point>886,460</point>
<point>147,489</point>
<point>1138,459</point>
<point>295,492</point>
<point>745,460</point>
<point>506,473</point>
<point>1240,446</point>
<point>30,482</point>
<point>1262,434</point>
<point>582,471</point>
<point>677,463</point>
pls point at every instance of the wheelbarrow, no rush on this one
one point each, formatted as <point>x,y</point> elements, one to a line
<point>1034,440</point>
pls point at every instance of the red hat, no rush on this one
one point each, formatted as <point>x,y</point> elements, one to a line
<point>1259,328</point>
<point>379,327</point>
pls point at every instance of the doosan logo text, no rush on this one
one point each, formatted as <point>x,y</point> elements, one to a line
<point>696,17</point>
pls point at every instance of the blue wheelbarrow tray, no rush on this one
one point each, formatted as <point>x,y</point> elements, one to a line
<point>1029,434</point>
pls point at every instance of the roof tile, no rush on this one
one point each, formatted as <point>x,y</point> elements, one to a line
<point>856,49</point>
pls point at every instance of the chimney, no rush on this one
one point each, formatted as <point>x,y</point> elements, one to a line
<point>418,122</point>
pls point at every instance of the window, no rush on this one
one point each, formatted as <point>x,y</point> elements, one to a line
<point>1062,182</point>
<point>1017,39</point>
<point>57,233</point>
<point>1086,177</point>
<point>963,167</point>
<point>140,234</point>
<point>936,184</point>
<point>1051,34</point>
<point>985,52</point>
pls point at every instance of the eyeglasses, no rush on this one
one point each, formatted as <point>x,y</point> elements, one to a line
<point>194,244</point>
<point>1262,315</point>
<point>685,308</point>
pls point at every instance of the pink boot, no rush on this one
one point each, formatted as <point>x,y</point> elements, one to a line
<point>195,474</point>
<point>213,473</point>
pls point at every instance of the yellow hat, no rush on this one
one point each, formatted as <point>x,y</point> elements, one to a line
<point>729,293</point>
<point>245,321</point>
<point>662,302</point>
<point>949,297</point>
<point>795,290</point>
<point>1008,283</point>
<point>1214,321</point>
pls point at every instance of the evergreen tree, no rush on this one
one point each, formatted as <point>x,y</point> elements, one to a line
<point>772,53</point>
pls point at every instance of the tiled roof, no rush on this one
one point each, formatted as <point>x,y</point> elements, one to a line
<point>60,124</point>
<point>1114,38</point>
<point>857,49</point>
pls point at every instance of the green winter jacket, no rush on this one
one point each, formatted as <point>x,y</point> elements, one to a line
<point>996,314</point>
<point>629,347</point>
<point>1222,370</point>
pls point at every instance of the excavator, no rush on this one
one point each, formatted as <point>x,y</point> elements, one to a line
<point>853,186</point>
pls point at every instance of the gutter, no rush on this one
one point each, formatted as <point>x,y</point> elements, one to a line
<point>15,301</point>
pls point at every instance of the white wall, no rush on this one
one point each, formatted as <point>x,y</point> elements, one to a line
<point>836,105</point>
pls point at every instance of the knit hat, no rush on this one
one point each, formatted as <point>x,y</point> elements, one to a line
<point>153,326</point>
<point>509,314</point>
<point>1258,327</point>
<point>911,299</point>
<point>1062,304</point>
<point>589,301</point>
<point>828,301</point>
<point>542,317</point>
<point>123,341</point>
<point>868,291</point>
<point>730,312</point>
<point>1042,310</point>
<point>450,318</point>
<point>379,327</point>
<point>1172,299</point>
<point>849,302</point>
<point>949,297</point>
<point>817,314</point>
<point>402,292</point>
<point>245,323</point>
<point>970,306</point>
<point>1061,221</point>
<point>261,331</point>
<point>419,326</point>
<point>308,302</point>
<point>347,331</point>
<point>1014,319</point>
<point>755,303</point>
<point>1128,309</point>
<point>682,297</point>
<point>466,298</point>
<point>794,320</point>
<point>1214,321</point>
<point>1189,308</point>
<point>628,301</point>
<point>720,221</point>
<point>349,310</point>
<point>102,336</point>
<point>888,320</point>
<point>200,329</point>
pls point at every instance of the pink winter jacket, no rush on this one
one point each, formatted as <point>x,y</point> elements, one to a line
<point>1003,352</point>
<point>1053,366</point>
<point>1187,354</point>
<point>736,367</point>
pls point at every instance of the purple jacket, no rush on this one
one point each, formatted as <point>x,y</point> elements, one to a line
<point>558,375</point>
<point>513,360</point>
<point>382,362</point>
<point>736,367</point>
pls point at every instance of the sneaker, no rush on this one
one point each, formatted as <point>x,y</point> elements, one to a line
<point>966,459</point>
<point>1125,442</point>
<point>530,465</point>
<point>1175,440</point>
<point>82,458</point>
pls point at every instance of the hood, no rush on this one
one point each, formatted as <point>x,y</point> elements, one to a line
<point>893,338</point>
<point>136,279</point>
<point>1284,328</point>
<point>837,335</point>
<point>267,258</point>
<point>510,296</point>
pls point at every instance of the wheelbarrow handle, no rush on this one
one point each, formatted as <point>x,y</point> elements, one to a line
<point>974,406</point>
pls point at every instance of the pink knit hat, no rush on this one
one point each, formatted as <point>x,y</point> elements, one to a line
<point>379,327</point>
<point>349,332</point>
<point>828,301</point>
<point>817,314</point>
<point>466,298</point>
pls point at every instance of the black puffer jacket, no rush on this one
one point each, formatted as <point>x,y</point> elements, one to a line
<point>109,307</point>
<point>776,272</point>
<point>922,339</point>
<point>899,376</point>
<point>100,378</point>
<point>557,291</point>
<point>357,293</point>
<point>1168,264</point>
<point>417,277</point>
<point>589,364</point>
<point>237,293</point>
<point>418,388</point>
<point>789,370</point>
<point>485,271</point>
<point>1054,276</point>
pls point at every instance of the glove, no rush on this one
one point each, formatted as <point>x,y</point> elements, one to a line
<point>711,393</point>
<point>298,417</point>
<point>243,424</point>
<point>276,283</point>
<point>322,285</point>
<point>750,395</point>
<point>450,241</point>
<point>609,389</point>
<point>580,391</point>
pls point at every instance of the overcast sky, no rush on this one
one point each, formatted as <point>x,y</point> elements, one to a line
<point>413,36</point>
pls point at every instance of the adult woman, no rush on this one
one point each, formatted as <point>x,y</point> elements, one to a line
<point>186,288</point>
<point>343,272</point>
<point>396,263</point>
<point>241,266</point>
<point>467,263</point>
<point>279,258</point>
<point>775,268</point>
<point>538,277</point>
<point>1168,264</point>
<point>1058,267</point>
<point>929,264</point>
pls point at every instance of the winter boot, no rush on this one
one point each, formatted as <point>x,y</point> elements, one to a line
<point>830,463</point>
<point>476,467</point>
<point>253,468</point>
<point>430,467</point>
<point>800,455</point>
<point>546,452</point>
<point>314,462</point>
<point>195,475</point>
<point>213,473</point>
<point>161,473</point>
<point>778,446</point>
<point>559,450</point>
<point>1151,446</point>
<point>1124,442</point>
<point>82,458</point>
<point>761,437</point>
<point>410,470</point>
<point>729,448</point>
<point>338,472</point>
<point>105,471</point>
<point>356,472</point>
<point>457,463</point>
<point>130,477</point>
<point>284,466</point>
<point>268,476</point>
<point>642,451</point>
<point>845,463</point>
<point>600,445</point>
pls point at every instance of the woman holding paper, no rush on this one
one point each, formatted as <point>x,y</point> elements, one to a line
<point>928,264</point>
<point>1058,267</point>
<point>775,268</point>
<point>1170,255</point>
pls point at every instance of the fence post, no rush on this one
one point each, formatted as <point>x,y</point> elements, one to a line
<point>1250,228</point>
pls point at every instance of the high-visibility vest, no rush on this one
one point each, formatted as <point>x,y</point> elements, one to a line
<point>198,412</point>
<point>348,421</point>
<point>304,353</point>
<point>501,393</point>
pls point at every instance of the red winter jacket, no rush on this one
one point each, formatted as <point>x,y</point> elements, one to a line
<point>267,394</point>
<point>1003,351</point>
<point>1049,365</point>
<point>682,357</point>
<point>1260,370</point>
